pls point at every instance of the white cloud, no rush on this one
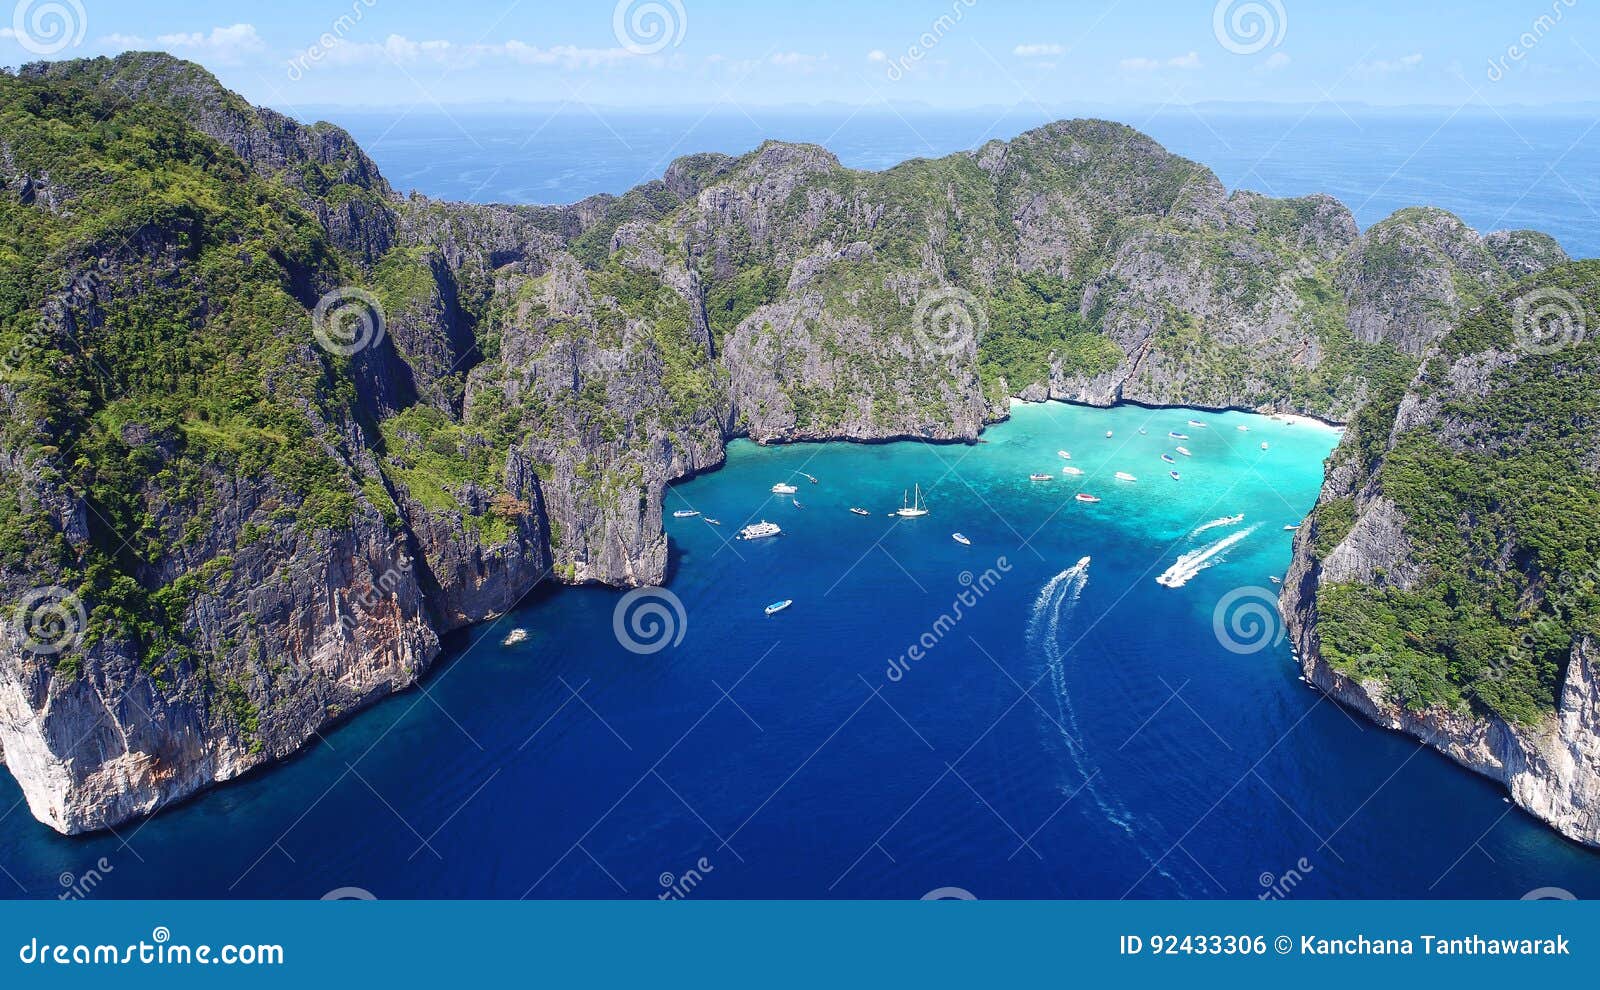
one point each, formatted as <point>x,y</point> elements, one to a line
<point>1276,61</point>
<point>1142,64</point>
<point>399,49</point>
<point>1037,50</point>
<point>877,55</point>
<point>221,45</point>
<point>1389,67</point>
<point>796,59</point>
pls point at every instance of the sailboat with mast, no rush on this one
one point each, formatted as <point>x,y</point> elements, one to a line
<point>915,508</point>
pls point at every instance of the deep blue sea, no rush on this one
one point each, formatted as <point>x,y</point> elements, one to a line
<point>1002,718</point>
<point>1495,169</point>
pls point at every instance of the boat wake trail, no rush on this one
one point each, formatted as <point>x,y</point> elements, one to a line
<point>1057,601</point>
<point>1195,561</point>
<point>1213,524</point>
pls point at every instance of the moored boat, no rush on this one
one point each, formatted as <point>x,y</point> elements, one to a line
<point>1184,451</point>
<point>1125,476</point>
<point>961,539</point>
<point>1175,476</point>
<point>713,522</point>
<point>1040,477</point>
<point>1196,422</point>
<point>859,511</point>
<point>514,637</point>
<point>1169,458</point>
<point>784,488</point>
<point>915,509</point>
<point>1263,445</point>
<point>1086,497</point>
<point>760,530</point>
<point>1174,434</point>
<point>1064,454</point>
<point>685,513</point>
<point>777,607</point>
<point>1072,471</point>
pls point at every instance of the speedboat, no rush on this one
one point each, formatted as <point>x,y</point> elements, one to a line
<point>961,539</point>
<point>777,607</point>
<point>1175,476</point>
<point>809,477</point>
<point>915,509</point>
<point>1040,477</point>
<point>760,530</point>
<point>797,503</point>
<point>1243,428</point>
<point>1263,445</point>
<point>1174,434</point>
<point>1069,469</point>
<point>1064,454</point>
<point>1169,458</point>
<point>1125,476</point>
<point>859,511</point>
<point>713,522</point>
<point>1085,497</point>
<point>1291,528</point>
<point>1184,451</point>
<point>1196,422</point>
<point>1274,579</point>
<point>1143,432</point>
<point>685,513</point>
<point>783,488</point>
<point>514,637</point>
<point>1108,434</point>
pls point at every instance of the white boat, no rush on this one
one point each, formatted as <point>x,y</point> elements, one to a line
<point>1069,469</point>
<point>1085,497</point>
<point>1169,458</point>
<point>1040,477</point>
<point>859,511</point>
<point>782,488</point>
<point>1291,528</point>
<point>1108,434</point>
<point>797,503</point>
<point>1196,422</point>
<point>915,509</point>
<point>1064,455</point>
<point>713,522</point>
<point>1274,579</point>
<point>1125,476</point>
<point>686,513</point>
<point>1174,434</point>
<point>1175,476</point>
<point>961,539</point>
<point>760,530</point>
<point>1184,451</point>
<point>1263,445</point>
<point>808,477</point>
<point>1143,432</point>
<point>1243,428</point>
<point>777,607</point>
<point>514,637</point>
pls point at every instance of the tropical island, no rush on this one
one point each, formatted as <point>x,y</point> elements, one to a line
<point>272,429</point>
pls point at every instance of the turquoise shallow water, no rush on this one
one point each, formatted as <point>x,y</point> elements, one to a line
<point>1078,731</point>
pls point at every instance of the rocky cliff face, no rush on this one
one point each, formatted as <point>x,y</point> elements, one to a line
<point>1444,586</point>
<point>246,524</point>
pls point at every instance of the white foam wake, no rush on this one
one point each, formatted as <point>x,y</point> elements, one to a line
<point>1213,524</point>
<point>1055,605</point>
<point>1187,566</point>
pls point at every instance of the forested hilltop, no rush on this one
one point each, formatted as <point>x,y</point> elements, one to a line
<point>272,428</point>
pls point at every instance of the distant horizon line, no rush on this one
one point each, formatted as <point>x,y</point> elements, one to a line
<point>923,108</point>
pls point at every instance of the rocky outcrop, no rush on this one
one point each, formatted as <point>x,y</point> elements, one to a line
<point>1440,586</point>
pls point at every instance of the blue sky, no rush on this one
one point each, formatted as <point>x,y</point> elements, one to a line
<point>945,53</point>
